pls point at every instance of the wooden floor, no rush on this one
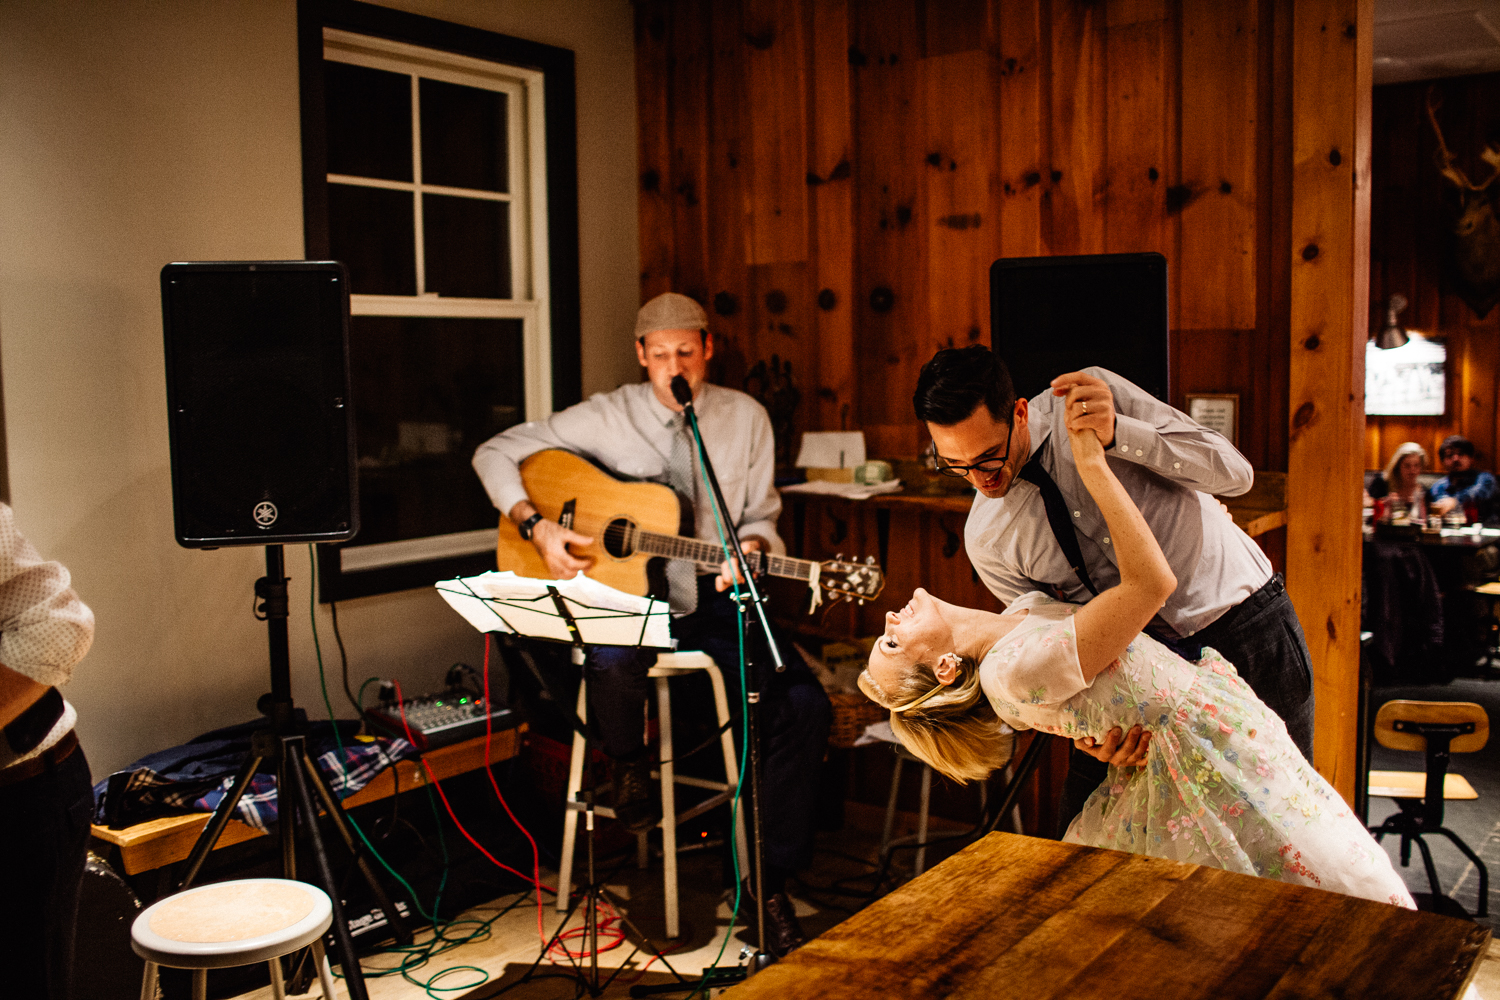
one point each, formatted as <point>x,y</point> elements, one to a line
<point>512,945</point>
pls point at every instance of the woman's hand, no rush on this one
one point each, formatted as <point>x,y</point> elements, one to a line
<point>1089,404</point>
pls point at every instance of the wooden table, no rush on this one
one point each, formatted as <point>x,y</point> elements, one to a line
<point>159,842</point>
<point>1014,916</point>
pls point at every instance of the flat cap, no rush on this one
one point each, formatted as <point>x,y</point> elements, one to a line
<point>670,311</point>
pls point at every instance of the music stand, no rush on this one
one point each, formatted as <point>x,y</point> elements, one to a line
<point>580,612</point>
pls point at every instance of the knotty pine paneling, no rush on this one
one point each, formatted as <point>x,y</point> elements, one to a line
<point>831,175</point>
<point>896,148</point>
<point>1076,181</point>
<point>1411,215</point>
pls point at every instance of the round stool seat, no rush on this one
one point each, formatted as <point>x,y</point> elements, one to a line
<point>231,923</point>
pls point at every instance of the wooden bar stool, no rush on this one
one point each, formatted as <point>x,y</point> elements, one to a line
<point>224,924</point>
<point>668,665</point>
<point>1436,728</point>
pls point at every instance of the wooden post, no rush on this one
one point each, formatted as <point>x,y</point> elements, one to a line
<point>1330,248</point>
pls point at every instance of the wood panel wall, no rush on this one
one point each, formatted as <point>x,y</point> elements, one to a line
<point>833,178</point>
<point>1412,214</point>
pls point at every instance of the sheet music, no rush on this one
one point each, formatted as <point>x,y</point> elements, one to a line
<point>505,602</point>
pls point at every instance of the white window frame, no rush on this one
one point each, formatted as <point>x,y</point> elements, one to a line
<point>530,251</point>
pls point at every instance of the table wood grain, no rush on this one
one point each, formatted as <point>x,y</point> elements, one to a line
<point>1014,916</point>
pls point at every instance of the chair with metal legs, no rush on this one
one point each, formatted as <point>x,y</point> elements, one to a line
<point>1438,729</point>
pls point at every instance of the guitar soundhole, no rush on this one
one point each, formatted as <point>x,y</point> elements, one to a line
<point>619,538</point>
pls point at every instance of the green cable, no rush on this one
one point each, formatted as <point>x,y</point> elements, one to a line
<point>739,785</point>
<point>414,955</point>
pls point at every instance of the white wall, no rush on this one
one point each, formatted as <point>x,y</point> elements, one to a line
<point>133,134</point>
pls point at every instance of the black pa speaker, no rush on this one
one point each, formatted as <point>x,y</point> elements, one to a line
<point>262,427</point>
<point>1052,315</point>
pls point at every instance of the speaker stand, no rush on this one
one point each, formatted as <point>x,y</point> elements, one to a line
<point>295,773</point>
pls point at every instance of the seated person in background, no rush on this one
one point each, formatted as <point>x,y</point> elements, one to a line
<point>1464,487</point>
<point>1399,483</point>
<point>638,431</point>
<point>1223,784</point>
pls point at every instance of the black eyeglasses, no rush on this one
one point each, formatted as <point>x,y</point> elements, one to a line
<point>989,466</point>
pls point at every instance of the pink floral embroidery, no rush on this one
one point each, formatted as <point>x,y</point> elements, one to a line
<point>1211,708</point>
<point>1294,864</point>
<point>1225,728</point>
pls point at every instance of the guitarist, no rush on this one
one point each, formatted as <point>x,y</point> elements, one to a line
<point>637,431</point>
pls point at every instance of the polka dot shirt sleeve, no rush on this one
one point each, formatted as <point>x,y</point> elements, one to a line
<point>44,628</point>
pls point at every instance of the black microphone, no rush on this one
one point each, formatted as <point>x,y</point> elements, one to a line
<point>681,391</point>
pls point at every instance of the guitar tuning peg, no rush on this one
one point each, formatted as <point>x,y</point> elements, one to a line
<point>869,560</point>
<point>861,602</point>
<point>838,557</point>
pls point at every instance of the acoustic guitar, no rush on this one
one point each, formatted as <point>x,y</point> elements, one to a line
<point>634,522</point>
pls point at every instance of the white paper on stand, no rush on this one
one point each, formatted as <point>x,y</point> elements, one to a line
<point>831,450</point>
<point>505,602</point>
<point>849,491</point>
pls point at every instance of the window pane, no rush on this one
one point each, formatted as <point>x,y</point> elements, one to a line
<point>369,121</point>
<point>464,137</point>
<point>372,232</point>
<point>427,392</point>
<point>467,245</point>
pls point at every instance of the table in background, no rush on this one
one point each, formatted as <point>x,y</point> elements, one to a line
<point>157,843</point>
<point>1018,916</point>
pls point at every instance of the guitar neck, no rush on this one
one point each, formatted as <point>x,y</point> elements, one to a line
<point>710,556</point>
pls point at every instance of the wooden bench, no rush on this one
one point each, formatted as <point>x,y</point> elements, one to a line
<point>160,842</point>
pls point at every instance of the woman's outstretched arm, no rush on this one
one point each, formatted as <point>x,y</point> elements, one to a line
<point>1111,621</point>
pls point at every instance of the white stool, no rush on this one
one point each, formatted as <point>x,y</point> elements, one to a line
<point>668,665</point>
<point>224,924</point>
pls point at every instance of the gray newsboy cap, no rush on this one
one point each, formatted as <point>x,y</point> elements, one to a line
<point>670,311</point>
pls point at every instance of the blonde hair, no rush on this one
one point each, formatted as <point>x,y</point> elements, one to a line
<point>955,731</point>
<point>1409,448</point>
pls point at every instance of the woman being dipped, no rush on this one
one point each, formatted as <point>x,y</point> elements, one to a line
<point>1223,784</point>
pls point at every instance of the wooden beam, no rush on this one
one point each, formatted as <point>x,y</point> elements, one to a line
<point>1330,249</point>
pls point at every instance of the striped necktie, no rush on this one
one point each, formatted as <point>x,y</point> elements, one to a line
<point>682,575</point>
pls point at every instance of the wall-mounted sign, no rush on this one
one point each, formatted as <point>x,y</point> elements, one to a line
<point>1218,411</point>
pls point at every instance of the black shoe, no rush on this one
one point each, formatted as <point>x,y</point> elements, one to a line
<point>636,803</point>
<point>783,932</point>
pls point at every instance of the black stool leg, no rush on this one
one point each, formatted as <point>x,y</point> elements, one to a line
<point>1484,873</point>
<point>1432,877</point>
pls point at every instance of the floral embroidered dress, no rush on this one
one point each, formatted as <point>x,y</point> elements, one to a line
<point>1223,784</point>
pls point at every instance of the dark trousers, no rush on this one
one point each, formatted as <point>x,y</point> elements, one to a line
<point>794,714</point>
<point>1263,639</point>
<point>44,836</point>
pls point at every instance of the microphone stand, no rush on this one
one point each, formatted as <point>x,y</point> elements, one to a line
<point>683,393</point>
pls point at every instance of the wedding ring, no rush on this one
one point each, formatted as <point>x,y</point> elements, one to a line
<point>1085,406</point>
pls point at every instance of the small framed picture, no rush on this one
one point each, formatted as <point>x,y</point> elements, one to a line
<point>1218,411</point>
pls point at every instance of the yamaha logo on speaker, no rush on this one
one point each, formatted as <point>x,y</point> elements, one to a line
<point>265,513</point>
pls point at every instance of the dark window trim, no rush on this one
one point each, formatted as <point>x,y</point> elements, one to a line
<point>556,66</point>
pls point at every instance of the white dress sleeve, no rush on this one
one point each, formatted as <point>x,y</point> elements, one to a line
<point>1037,663</point>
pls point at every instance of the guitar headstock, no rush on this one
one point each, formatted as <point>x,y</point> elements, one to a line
<point>855,581</point>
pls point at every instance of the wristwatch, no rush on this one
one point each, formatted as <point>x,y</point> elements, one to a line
<point>527,526</point>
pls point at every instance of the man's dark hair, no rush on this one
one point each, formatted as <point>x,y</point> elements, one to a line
<point>1458,443</point>
<point>956,380</point>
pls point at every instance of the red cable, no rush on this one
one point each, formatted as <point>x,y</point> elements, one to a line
<point>401,707</point>
<point>489,731</point>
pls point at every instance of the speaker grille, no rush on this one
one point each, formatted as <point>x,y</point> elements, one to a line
<point>258,390</point>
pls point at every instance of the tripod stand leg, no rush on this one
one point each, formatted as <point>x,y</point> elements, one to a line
<point>335,810</point>
<point>293,753</point>
<point>220,819</point>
